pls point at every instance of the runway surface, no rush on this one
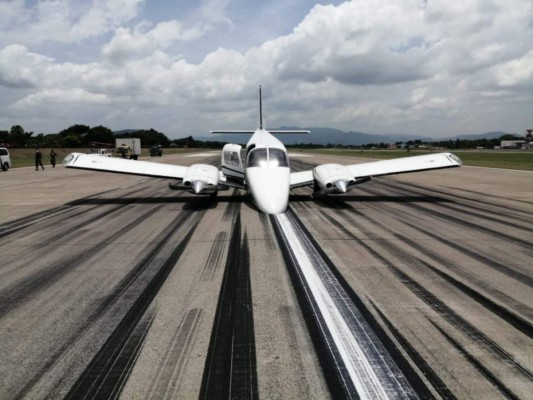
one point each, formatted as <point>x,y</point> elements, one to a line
<point>414,286</point>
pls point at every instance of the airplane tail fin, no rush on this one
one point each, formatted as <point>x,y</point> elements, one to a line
<point>260,123</point>
<point>260,110</point>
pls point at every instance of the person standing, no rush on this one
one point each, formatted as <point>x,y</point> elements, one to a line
<point>38,160</point>
<point>53,158</point>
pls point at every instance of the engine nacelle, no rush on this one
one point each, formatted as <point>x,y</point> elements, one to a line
<point>332,178</point>
<point>200,178</point>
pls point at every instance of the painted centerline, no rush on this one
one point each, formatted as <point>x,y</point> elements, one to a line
<point>368,366</point>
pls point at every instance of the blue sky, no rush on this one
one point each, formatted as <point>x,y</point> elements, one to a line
<point>435,67</point>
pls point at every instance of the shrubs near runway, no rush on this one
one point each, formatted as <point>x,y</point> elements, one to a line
<point>483,158</point>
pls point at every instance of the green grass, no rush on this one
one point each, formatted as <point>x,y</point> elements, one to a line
<point>481,158</point>
<point>26,157</point>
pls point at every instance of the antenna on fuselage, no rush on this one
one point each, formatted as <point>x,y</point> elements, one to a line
<point>260,110</point>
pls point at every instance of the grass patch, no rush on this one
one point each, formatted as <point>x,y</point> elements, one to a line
<point>489,158</point>
<point>26,157</point>
<point>496,159</point>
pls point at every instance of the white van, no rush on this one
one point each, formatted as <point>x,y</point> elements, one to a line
<point>5,160</point>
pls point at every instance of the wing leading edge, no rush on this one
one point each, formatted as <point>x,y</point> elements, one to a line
<point>123,166</point>
<point>365,171</point>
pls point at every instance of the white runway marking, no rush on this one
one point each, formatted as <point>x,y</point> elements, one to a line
<point>374,377</point>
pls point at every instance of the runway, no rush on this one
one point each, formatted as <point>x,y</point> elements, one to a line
<point>114,286</point>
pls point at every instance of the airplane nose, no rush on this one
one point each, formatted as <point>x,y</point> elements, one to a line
<point>271,207</point>
<point>269,188</point>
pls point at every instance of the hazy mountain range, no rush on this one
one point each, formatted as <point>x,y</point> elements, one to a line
<point>336,136</point>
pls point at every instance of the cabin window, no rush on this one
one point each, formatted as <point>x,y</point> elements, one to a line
<point>231,158</point>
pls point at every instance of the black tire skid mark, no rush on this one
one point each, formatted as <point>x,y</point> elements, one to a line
<point>214,258</point>
<point>481,213</point>
<point>338,387</point>
<point>109,370</point>
<point>63,231</point>
<point>230,368</point>
<point>478,195</point>
<point>67,212</point>
<point>299,165</point>
<point>459,322</point>
<point>464,222</point>
<point>495,265</point>
<point>16,294</point>
<point>478,365</point>
<point>441,308</point>
<point>169,372</point>
<point>99,308</point>
<point>268,239</point>
<point>520,218</point>
<point>434,256</point>
<point>12,227</point>
<point>418,360</point>
<point>30,220</point>
<point>455,245</point>
<point>232,208</point>
<point>509,316</point>
<point>312,316</point>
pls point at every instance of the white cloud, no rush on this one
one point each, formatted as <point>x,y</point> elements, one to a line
<point>20,67</point>
<point>129,44</point>
<point>378,65</point>
<point>63,21</point>
<point>515,73</point>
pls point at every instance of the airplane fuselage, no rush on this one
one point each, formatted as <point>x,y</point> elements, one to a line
<point>267,172</point>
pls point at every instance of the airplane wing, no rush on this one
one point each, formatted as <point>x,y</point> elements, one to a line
<point>404,165</point>
<point>365,171</point>
<point>124,166</point>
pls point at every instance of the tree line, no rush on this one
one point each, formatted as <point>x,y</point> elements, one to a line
<point>78,136</point>
<point>457,144</point>
<point>83,136</point>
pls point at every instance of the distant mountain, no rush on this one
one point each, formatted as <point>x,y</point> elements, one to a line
<point>336,136</point>
<point>320,136</point>
<point>488,136</point>
<point>123,131</point>
<point>326,136</point>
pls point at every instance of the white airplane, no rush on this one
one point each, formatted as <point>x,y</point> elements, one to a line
<point>262,168</point>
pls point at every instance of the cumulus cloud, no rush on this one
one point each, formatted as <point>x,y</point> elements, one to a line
<point>64,21</point>
<point>377,65</point>
<point>128,44</point>
<point>20,67</point>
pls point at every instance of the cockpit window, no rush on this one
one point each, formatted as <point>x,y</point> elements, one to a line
<point>257,158</point>
<point>277,158</point>
<point>267,157</point>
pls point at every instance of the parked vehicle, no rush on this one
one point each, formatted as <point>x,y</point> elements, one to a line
<point>101,152</point>
<point>5,159</point>
<point>156,151</point>
<point>128,148</point>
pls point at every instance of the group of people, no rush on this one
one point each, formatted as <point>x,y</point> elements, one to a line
<point>39,159</point>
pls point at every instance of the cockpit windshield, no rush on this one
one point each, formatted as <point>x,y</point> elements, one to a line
<point>267,157</point>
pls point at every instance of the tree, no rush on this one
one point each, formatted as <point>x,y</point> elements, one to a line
<point>4,137</point>
<point>72,141</point>
<point>100,134</point>
<point>78,131</point>
<point>18,137</point>
<point>148,137</point>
